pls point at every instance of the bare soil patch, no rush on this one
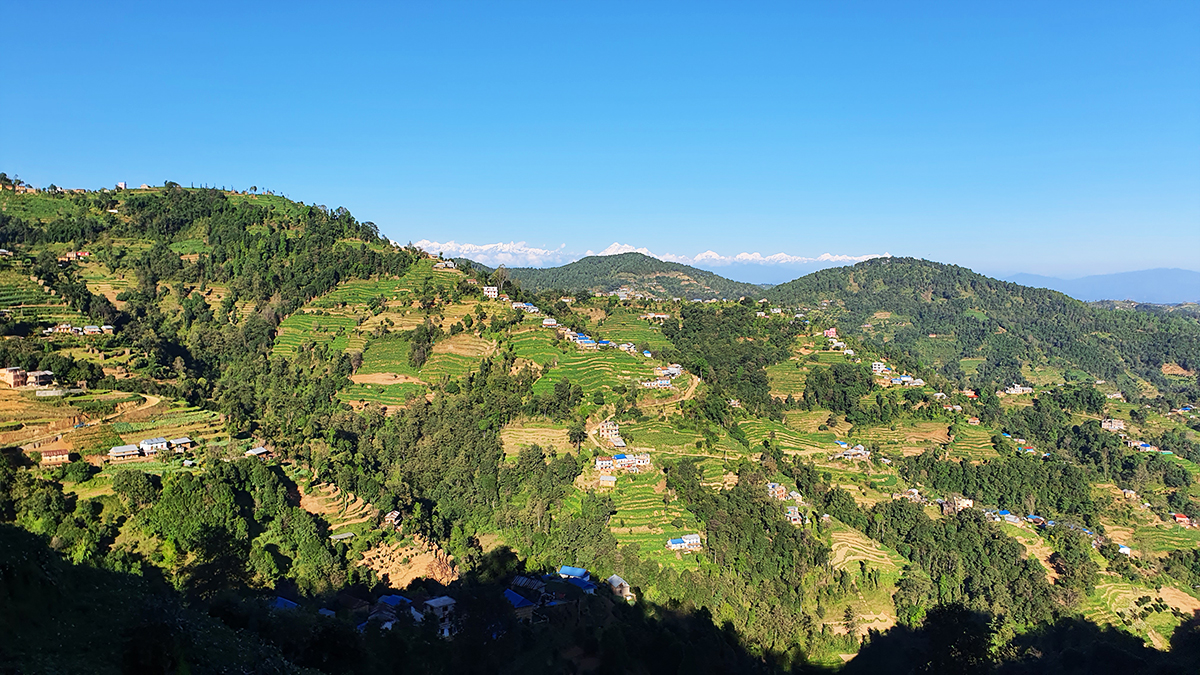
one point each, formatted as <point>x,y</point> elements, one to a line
<point>400,565</point>
<point>384,378</point>
<point>1176,369</point>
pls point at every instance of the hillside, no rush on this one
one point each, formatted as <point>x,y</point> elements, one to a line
<point>634,270</point>
<point>944,314</point>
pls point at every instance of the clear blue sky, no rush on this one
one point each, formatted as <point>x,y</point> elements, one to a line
<point>1056,138</point>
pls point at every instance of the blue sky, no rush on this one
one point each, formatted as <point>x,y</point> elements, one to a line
<point>1054,138</point>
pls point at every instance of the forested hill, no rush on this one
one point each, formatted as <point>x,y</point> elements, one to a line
<point>944,314</point>
<point>635,270</point>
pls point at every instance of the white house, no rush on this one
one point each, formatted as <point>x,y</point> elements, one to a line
<point>491,292</point>
<point>549,322</point>
<point>152,446</point>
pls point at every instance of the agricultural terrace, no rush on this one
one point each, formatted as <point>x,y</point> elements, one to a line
<point>595,371</point>
<point>1141,611</point>
<point>789,439</point>
<point>913,438</point>
<point>1162,539</point>
<point>102,282</point>
<point>526,432</point>
<point>178,419</point>
<point>328,329</point>
<point>536,345</point>
<point>972,443</point>
<point>663,437</point>
<point>25,300</point>
<point>623,325</point>
<point>787,378</point>
<point>643,519</point>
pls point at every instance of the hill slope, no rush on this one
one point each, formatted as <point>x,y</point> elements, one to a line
<point>944,313</point>
<point>638,271</point>
<point>1162,286</point>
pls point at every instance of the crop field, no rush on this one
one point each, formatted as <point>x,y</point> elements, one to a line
<point>333,330</point>
<point>644,520</point>
<point>1116,604</point>
<point>391,394</point>
<point>1165,538</point>
<point>972,443</point>
<point>387,355</point>
<point>663,437</point>
<point>789,439</point>
<point>94,440</point>
<point>971,366</point>
<point>202,426</point>
<point>907,438</point>
<point>542,432</point>
<point>597,370</point>
<point>787,378</point>
<point>625,326</point>
<point>27,301</point>
<point>535,345</point>
<point>849,546</point>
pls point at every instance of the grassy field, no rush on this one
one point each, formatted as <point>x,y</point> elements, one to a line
<point>387,355</point>
<point>543,432</point>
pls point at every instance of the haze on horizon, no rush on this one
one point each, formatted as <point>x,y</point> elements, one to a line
<point>1059,140</point>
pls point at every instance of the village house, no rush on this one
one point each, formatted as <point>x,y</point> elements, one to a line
<point>608,429</point>
<point>1018,389</point>
<point>608,482</point>
<point>56,457</point>
<point>856,453</point>
<point>260,452</point>
<point>180,444</point>
<point>444,265</point>
<point>123,452</point>
<point>973,421</point>
<point>492,292</point>
<point>392,519</point>
<point>39,378</point>
<point>1181,519</point>
<point>621,588</point>
<point>549,322</point>
<point>442,609</point>
<point>777,491</point>
<point>14,377</point>
<point>522,606</point>
<point>1112,424</point>
<point>878,367</point>
<point>566,299</point>
<point>151,446</point>
<point>830,332</point>
<point>793,515</point>
<point>688,542</point>
<point>661,383</point>
<point>1129,494</point>
<point>604,463</point>
<point>91,330</point>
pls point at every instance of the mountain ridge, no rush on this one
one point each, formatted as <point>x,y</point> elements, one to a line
<point>1162,285</point>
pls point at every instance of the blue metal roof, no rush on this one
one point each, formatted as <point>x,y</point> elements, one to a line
<point>284,603</point>
<point>568,571</point>
<point>394,600</point>
<point>516,599</point>
<point>587,586</point>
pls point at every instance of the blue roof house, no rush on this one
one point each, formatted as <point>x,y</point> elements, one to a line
<point>568,572</point>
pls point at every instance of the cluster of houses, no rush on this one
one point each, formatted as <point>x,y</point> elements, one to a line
<point>1112,424</point>
<point>581,340</point>
<point>663,376</point>
<point>855,453</point>
<point>955,504</point>
<point>654,316</point>
<point>1017,390</point>
<point>908,381</point>
<point>527,307</point>
<point>19,377</point>
<point>79,330</point>
<point>632,349</point>
<point>444,265</point>
<point>1142,446</point>
<point>72,256</point>
<point>687,543</point>
<point>150,447</point>
<point>387,610</point>
<point>622,462</point>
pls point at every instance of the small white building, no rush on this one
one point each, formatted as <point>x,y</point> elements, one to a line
<point>492,292</point>
<point>152,446</point>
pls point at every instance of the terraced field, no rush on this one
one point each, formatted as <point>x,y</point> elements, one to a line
<point>972,443</point>
<point>335,330</point>
<point>788,438</point>
<point>787,378</point>
<point>534,344</point>
<point>389,395</point>
<point>643,519</point>
<point>26,301</point>
<point>597,370</point>
<point>625,326</point>
<point>202,426</point>
<point>849,546</point>
<point>387,355</point>
<point>1116,604</point>
<point>1165,538</point>
<point>663,437</point>
<point>908,438</point>
<point>523,433</point>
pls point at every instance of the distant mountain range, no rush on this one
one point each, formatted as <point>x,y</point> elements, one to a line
<point>1160,286</point>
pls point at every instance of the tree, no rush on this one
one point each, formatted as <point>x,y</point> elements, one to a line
<point>577,434</point>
